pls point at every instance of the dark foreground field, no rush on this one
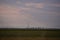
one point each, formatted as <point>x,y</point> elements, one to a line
<point>29,34</point>
<point>27,38</point>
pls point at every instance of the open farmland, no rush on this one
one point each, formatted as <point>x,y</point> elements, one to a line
<point>27,38</point>
<point>29,34</point>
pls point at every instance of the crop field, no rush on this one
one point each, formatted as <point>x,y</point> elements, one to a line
<point>29,34</point>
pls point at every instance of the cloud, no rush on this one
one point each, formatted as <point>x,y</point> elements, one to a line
<point>12,9</point>
<point>12,16</point>
<point>8,9</point>
<point>55,3</point>
<point>30,4</point>
<point>18,2</point>
<point>36,5</point>
<point>52,4</point>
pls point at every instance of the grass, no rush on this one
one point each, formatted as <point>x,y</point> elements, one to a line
<point>29,33</point>
<point>27,38</point>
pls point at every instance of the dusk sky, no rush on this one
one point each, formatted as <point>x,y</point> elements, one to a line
<point>36,13</point>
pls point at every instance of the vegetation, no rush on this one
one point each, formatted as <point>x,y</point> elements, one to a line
<point>29,33</point>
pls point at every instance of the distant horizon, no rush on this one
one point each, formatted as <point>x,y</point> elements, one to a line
<point>29,28</point>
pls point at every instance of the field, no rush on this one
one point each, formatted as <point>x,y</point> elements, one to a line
<point>27,38</point>
<point>29,34</point>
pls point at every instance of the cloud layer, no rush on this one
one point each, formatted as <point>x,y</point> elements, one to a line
<point>37,13</point>
<point>12,17</point>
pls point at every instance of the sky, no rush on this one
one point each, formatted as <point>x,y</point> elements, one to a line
<point>35,13</point>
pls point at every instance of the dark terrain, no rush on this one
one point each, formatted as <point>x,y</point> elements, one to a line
<point>29,34</point>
